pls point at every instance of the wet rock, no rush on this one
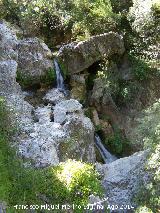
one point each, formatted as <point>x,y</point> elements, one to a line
<point>76,57</point>
<point>95,117</point>
<point>106,128</point>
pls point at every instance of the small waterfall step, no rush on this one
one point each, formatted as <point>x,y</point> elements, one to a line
<point>106,155</point>
<point>60,80</point>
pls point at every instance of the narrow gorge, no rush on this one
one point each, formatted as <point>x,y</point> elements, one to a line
<point>79,107</point>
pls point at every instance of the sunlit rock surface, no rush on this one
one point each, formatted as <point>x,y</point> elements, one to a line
<point>76,57</point>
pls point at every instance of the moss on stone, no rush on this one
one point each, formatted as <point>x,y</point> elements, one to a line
<point>27,81</point>
<point>63,68</point>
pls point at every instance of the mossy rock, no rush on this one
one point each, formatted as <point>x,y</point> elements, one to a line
<point>27,81</point>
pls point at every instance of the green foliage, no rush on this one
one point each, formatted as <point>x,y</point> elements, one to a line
<point>139,67</point>
<point>121,6</point>
<point>81,17</point>
<point>49,78</point>
<point>24,81</point>
<point>118,143</point>
<point>68,183</point>
<point>91,17</point>
<point>148,132</point>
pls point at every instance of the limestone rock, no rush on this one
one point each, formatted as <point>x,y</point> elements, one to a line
<point>54,96</point>
<point>8,70</point>
<point>63,108</point>
<point>101,99</point>
<point>8,42</point>
<point>78,87</point>
<point>122,178</point>
<point>80,143</point>
<point>76,57</point>
<point>106,128</point>
<point>9,88</point>
<point>34,59</point>
<point>48,142</point>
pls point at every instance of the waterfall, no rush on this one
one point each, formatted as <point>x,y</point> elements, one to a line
<point>60,80</point>
<point>107,156</point>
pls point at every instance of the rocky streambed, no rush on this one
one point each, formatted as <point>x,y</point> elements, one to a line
<point>55,128</point>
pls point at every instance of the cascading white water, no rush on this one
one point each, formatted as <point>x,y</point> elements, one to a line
<point>107,157</point>
<point>60,80</point>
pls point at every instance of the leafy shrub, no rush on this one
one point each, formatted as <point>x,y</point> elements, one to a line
<point>80,17</point>
<point>118,143</point>
<point>148,131</point>
<point>139,67</point>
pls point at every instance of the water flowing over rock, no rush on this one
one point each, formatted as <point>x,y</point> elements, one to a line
<point>60,80</point>
<point>107,157</point>
<point>76,57</point>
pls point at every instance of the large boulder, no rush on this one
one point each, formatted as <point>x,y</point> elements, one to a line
<point>49,141</point>
<point>76,57</point>
<point>123,177</point>
<point>34,60</point>
<point>63,108</point>
<point>80,143</point>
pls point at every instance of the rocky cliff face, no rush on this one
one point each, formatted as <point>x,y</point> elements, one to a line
<point>47,133</point>
<point>76,57</point>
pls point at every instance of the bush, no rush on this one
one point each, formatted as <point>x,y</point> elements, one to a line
<point>118,143</point>
<point>148,132</point>
<point>140,68</point>
<point>81,18</point>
